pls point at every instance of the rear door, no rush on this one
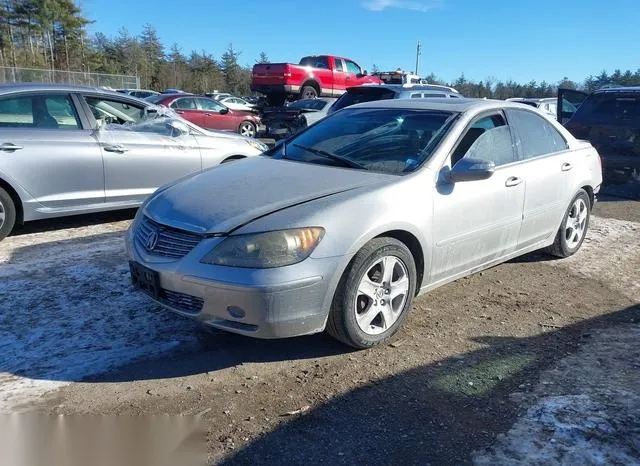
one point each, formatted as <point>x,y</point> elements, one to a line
<point>569,100</point>
<point>339,76</point>
<point>49,150</point>
<point>476,222</point>
<point>215,115</point>
<point>187,108</point>
<point>141,155</point>
<point>548,166</point>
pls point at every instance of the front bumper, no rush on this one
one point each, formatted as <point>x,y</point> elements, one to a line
<point>265,303</point>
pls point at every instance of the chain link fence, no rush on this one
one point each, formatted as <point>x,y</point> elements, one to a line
<point>34,75</point>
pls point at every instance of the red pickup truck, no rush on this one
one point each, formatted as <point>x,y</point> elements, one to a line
<point>314,76</point>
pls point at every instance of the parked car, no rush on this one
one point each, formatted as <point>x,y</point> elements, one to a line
<point>173,91</point>
<point>236,103</point>
<point>314,76</point>
<point>210,114</point>
<point>360,94</point>
<point>252,99</point>
<point>547,105</point>
<point>139,93</point>
<point>282,122</point>
<point>610,119</point>
<point>351,218</point>
<point>67,150</point>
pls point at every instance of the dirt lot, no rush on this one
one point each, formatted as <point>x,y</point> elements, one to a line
<point>516,365</point>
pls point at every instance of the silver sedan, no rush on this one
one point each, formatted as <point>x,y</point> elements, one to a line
<point>341,226</point>
<point>69,150</point>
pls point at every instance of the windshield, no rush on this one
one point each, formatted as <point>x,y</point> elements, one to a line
<point>358,96</point>
<point>386,140</point>
<point>609,109</point>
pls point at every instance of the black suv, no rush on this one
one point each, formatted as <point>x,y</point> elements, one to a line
<point>610,119</point>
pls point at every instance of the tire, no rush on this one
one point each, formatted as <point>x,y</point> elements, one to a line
<point>7,214</point>
<point>308,92</point>
<point>580,207</point>
<point>352,309</point>
<point>248,129</point>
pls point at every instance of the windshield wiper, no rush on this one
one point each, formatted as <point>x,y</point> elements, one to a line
<point>328,155</point>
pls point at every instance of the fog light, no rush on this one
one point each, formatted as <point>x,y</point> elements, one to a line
<point>236,312</point>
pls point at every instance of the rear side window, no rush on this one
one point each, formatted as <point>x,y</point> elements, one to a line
<point>39,111</point>
<point>362,95</point>
<point>338,63</point>
<point>316,62</point>
<point>536,135</point>
<point>609,108</point>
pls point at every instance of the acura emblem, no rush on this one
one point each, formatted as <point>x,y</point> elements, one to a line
<point>152,240</point>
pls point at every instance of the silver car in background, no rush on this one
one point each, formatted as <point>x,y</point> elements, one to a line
<point>345,222</point>
<point>70,150</point>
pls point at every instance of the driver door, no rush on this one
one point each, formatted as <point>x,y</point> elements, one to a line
<point>568,102</point>
<point>143,154</point>
<point>477,222</point>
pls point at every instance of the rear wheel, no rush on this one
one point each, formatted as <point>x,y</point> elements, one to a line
<point>374,295</point>
<point>308,92</point>
<point>248,129</point>
<point>7,214</point>
<point>573,228</point>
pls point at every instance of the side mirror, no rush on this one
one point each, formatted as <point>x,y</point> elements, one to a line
<point>365,73</point>
<point>224,111</point>
<point>471,170</point>
<point>178,128</point>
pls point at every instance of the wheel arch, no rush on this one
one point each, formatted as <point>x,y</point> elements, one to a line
<point>592,197</point>
<point>414,246</point>
<point>16,200</point>
<point>233,157</point>
<point>313,83</point>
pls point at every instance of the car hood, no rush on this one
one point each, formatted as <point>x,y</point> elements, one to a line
<point>231,195</point>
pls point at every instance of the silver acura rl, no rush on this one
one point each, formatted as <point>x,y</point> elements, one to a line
<point>342,225</point>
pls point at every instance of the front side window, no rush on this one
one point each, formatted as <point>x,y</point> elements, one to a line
<point>187,103</point>
<point>114,111</point>
<point>39,111</point>
<point>209,105</point>
<point>488,139</point>
<point>536,135</point>
<point>387,140</point>
<point>352,67</point>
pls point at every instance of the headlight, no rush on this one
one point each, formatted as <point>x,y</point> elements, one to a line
<point>266,250</point>
<point>261,146</point>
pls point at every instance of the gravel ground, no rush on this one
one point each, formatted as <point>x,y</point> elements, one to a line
<point>497,368</point>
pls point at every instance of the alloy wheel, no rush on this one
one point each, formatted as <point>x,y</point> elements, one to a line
<point>3,214</point>
<point>576,223</point>
<point>247,129</point>
<point>381,295</point>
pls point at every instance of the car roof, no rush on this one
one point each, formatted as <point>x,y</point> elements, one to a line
<point>407,87</point>
<point>25,87</point>
<point>460,105</point>
<point>618,89</point>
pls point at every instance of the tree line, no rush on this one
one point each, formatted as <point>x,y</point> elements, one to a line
<point>52,34</point>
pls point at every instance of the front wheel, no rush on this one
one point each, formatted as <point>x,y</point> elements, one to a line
<point>374,295</point>
<point>7,214</point>
<point>248,129</point>
<point>573,228</point>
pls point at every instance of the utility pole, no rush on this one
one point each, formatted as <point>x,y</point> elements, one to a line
<point>418,53</point>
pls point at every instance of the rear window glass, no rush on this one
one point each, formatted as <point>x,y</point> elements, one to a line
<point>362,95</point>
<point>316,62</point>
<point>609,108</point>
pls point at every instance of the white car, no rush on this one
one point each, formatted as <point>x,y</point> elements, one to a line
<point>236,103</point>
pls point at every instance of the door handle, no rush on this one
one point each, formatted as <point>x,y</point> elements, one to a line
<point>179,112</point>
<point>566,167</point>
<point>208,114</point>
<point>118,149</point>
<point>512,181</point>
<point>9,147</point>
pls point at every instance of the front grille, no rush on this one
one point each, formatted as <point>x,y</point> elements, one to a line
<point>181,302</point>
<point>169,242</point>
